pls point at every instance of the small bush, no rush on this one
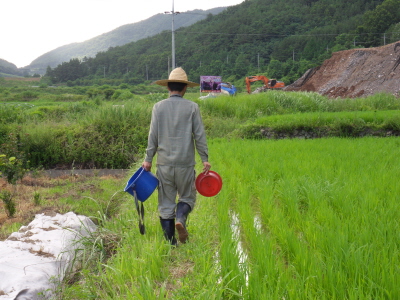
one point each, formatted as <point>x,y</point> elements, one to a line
<point>11,168</point>
<point>9,203</point>
<point>37,199</point>
<point>27,95</point>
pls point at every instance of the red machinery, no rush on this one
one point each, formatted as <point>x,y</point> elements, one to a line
<point>268,83</point>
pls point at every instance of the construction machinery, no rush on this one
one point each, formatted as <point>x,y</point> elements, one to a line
<point>268,84</point>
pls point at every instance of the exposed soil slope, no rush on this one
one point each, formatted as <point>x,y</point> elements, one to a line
<point>354,73</point>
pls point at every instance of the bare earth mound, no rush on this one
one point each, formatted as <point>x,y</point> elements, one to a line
<point>354,73</point>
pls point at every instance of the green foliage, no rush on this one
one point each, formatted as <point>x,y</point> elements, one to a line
<point>13,112</point>
<point>122,95</point>
<point>379,20</point>
<point>9,203</point>
<point>107,137</point>
<point>108,93</point>
<point>68,71</point>
<point>92,92</point>
<point>394,33</point>
<point>11,168</point>
<point>344,124</point>
<point>37,199</point>
<point>26,96</point>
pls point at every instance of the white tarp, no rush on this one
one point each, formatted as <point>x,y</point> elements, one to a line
<point>36,256</point>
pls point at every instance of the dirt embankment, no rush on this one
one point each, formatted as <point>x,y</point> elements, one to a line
<point>354,73</point>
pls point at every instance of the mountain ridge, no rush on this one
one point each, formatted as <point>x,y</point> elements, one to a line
<point>119,36</point>
<point>7,68</point>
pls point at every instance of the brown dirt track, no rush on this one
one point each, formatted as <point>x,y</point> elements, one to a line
<point>22,78</point>
<point>354,73</point>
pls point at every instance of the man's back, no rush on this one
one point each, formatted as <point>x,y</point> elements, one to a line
<point>176,124</point>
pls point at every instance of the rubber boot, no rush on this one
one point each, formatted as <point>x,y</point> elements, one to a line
<point>168,226</point>
<point>182,211</point>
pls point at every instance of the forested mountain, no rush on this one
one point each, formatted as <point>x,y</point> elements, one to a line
<point>117,37</point>
<point>281,39</point>
<point>7,68</point>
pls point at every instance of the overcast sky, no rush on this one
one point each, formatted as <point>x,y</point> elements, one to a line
<point>30,28</point>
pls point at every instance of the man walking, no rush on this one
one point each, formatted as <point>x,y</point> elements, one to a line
<point>176,130</point>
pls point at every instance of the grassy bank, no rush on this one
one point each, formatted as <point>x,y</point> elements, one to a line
<point>99,132</point>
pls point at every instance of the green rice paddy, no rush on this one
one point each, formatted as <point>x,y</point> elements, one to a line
<point>296,219</point>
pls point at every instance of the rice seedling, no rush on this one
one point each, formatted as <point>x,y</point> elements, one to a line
<point>326,208</point>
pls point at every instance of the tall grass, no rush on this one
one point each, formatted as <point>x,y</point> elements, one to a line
<point>104,136</point>
<point>389,119</point>
<point>107,134</point>
<point>279,103</point>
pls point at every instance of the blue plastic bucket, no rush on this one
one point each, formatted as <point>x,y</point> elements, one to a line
<point>143,182</point>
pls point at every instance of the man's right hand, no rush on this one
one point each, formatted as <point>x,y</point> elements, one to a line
<point>147,166</point>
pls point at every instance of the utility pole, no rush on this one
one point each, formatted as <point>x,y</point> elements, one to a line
<point>173,12</point>
<point>173,37</point>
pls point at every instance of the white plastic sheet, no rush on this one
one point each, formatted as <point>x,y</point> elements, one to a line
<point>36,257</point>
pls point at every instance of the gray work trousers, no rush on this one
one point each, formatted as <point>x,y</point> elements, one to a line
<point>175,181</point>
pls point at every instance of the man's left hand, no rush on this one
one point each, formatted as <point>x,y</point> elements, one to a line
<point>207,166</point>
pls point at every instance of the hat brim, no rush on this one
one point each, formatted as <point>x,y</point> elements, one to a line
<point>164,82</point>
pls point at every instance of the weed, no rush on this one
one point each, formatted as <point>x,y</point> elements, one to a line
<point>9,203</point>
<point>37,199</point>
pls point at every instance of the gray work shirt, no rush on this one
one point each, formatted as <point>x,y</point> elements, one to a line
<point>176,128</point>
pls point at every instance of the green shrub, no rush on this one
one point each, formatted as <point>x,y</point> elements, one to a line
<point>27,96</point>
<point>10,113</point>
<point>9,203</point>
<point>108,93</point>
<point>37,199</point>
<point>116,94</point>
<point>92,92</point>
<point>11,168</point>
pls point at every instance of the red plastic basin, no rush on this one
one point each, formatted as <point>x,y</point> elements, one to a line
<point>209,184</point>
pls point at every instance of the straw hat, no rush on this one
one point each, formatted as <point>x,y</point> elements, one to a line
<point>177,75</point>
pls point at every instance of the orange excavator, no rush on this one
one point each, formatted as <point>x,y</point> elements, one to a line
<point>268,83</point>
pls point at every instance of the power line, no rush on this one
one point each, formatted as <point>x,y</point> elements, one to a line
<point>282,35</point>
